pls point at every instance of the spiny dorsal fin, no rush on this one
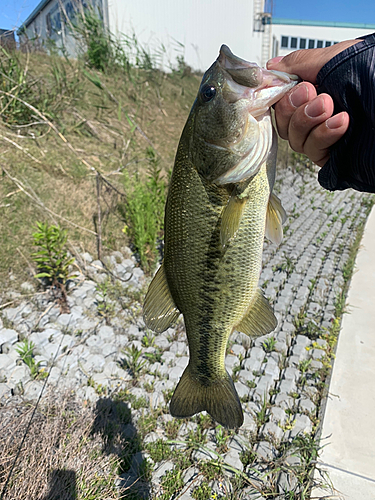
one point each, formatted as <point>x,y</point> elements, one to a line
<point>259,319</point>
<point>219,399</point>
<point>231,218</point>
<point>276,217</point>
<point>159,309</point>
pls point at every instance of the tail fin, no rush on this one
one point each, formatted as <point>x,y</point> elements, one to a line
<point>220,400</point>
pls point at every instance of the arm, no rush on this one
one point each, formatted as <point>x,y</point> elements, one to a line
<point>331,124</point>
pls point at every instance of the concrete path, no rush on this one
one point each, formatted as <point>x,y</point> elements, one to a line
<point>349,419</point>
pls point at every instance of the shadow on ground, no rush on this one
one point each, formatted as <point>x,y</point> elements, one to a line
<point>114,423</point>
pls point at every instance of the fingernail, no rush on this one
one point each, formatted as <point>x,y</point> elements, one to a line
<point>274,61</point>
<point>299,96</point>
<point>315,108</point>
<point>335,121</point>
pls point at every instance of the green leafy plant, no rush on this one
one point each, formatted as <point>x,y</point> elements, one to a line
<point>52,258</point>
<point>99,45</point>
<point>106,307</point>
<point>133,360</point>
<point>222,437</point>
<point>144,211</point>
<point>261,415</point>
<point>269,344</point>
<point>202,492</point>
<point>26,352</point>
<point>172,482</point>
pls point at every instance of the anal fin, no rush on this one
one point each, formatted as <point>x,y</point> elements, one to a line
<point>159,309</point>
<point>276,216</point>
<point>259,318</point>
<point>231,218</point>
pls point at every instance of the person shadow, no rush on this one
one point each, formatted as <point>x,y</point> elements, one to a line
<point>114,423</point>
<point>62,482</point>
<point>119,437</point>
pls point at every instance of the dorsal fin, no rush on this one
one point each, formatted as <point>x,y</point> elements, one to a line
<point>259,318</point>
<point>159,309</point>
<point>276,216</point>
<point>231,218</point>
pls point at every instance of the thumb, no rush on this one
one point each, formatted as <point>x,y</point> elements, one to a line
<point>308,62</point>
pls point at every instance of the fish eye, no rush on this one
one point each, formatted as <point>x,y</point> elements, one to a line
<point>208,92</point>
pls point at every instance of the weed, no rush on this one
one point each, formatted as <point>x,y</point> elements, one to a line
<point>26,352</point>
<point>171,428</point>
<point>52,258</point>
<point>247,457</point>
<point>159,450</point>
<point>236,373</point>
<point>211,469</point>
<point>202,492</point>
<point>196,437</point>
<point>171,483</point>
<point>205,421</point>
<point>18,86</point>
<point>99,44</point>
<point>148,339</point>
<point>261,415</point>
<point>304,366</point>
<point>149,386</point>
<point>144,210</point>
<point>269,344</point>
<point>154,357</point>
<point>222,437</point>
<point>146,422</point>
<point>105,307</point>
<point>168,393</point>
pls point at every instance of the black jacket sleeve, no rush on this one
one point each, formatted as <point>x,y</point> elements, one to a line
<point>350,79</point>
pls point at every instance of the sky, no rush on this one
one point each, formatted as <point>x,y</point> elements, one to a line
<point>14,12</point>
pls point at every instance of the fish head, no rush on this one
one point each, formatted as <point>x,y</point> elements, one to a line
<point>230,125</point>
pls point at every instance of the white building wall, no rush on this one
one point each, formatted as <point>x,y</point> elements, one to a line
<point>317,33</point>
<point>53,23</point>
<point>200,26</point>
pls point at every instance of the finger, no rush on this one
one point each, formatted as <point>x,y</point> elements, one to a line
<point>287,106</point>
<point>323,136</point>
<point>307,63</point>
<point>306,118</point>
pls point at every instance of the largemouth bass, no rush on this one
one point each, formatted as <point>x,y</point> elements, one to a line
<point>219,207</point>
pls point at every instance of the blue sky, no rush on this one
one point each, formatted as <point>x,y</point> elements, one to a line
<point>14,12</point>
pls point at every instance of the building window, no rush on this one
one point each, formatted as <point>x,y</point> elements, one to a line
<point>48,24</point>
<point>284,42</point>
<point>311,44</point>
<point>320,44</point>
<point>293,43</point>
<point>328,44</point>
<point>302,43</point>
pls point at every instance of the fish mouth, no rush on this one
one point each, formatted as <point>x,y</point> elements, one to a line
<point>246,80</point>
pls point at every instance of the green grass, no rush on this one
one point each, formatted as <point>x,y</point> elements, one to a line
<point>123,119</point>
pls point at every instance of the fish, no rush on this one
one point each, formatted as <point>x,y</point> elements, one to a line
<point>219,208</point>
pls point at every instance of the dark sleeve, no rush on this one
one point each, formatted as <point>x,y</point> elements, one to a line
<point>350,79</point>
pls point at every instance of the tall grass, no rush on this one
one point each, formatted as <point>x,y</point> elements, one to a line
<point>50,94</point>
<point>143,211</point>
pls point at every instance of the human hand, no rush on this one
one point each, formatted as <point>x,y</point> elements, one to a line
<point>303,117</point>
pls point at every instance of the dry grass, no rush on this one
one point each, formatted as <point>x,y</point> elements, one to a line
<point>66,455</point>
<point>108,129</point>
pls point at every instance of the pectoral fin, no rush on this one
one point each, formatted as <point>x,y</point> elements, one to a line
<point>276,217</point>
<point>159,309</point>
<point>231,218</point>
<point>259,319</point>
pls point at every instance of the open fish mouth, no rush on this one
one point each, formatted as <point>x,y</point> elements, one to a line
<point>247,80</point>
